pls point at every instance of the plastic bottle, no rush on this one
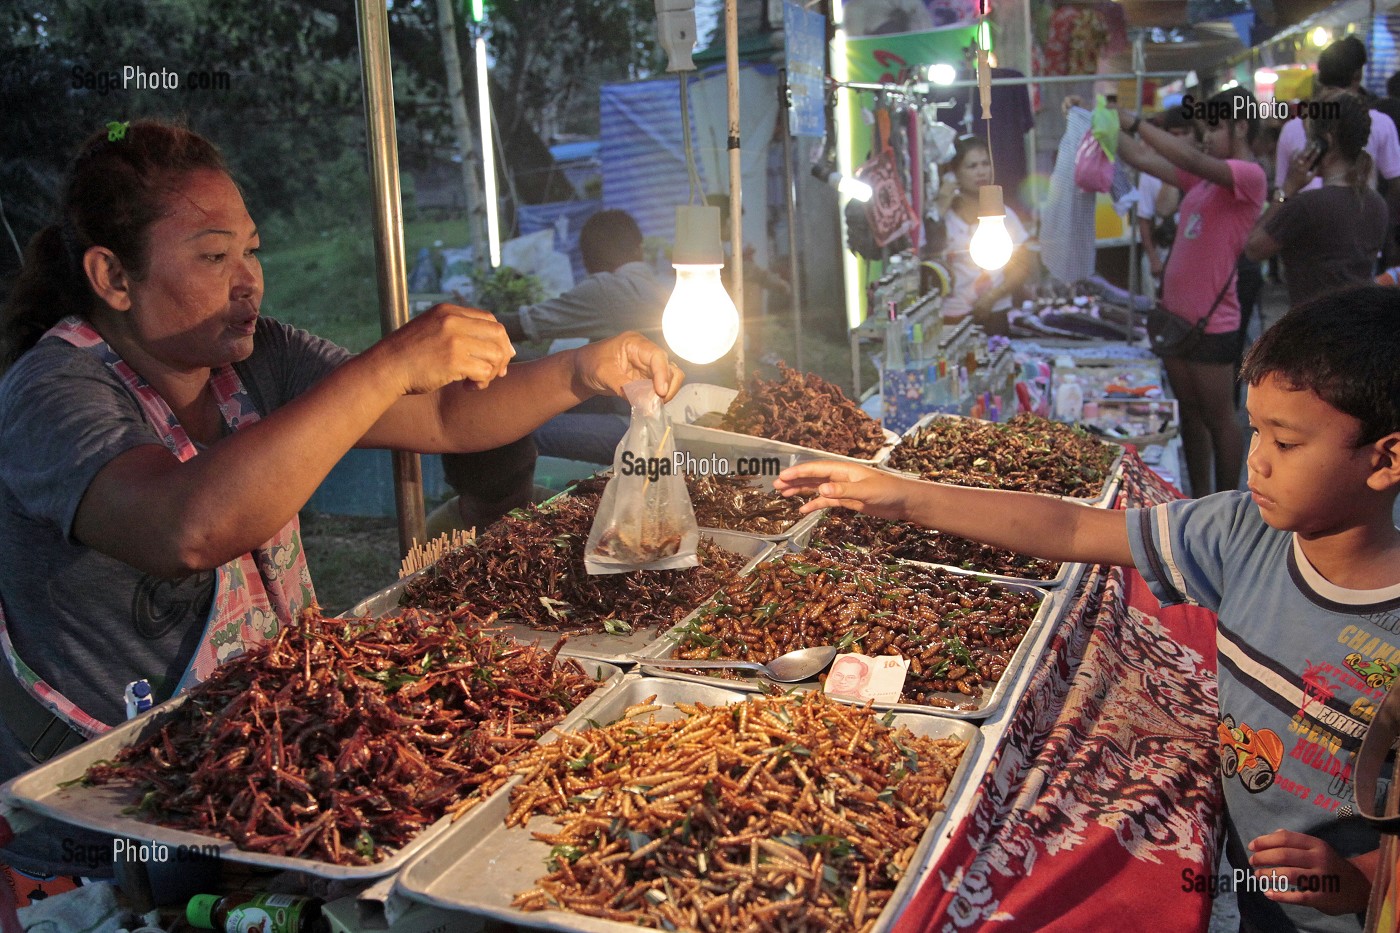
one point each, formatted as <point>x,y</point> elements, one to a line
<point>263,913</point>
<point>1069,400</point>
<point>138,698</point>
<point>894,343</point>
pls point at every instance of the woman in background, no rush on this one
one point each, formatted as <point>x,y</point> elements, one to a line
<point>986,296</point>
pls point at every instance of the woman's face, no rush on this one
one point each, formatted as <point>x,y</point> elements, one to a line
<point>975,170</point>
<point>198,304</point>
<point>1219,139</point>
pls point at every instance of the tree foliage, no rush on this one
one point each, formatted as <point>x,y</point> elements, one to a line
<point>551,60</point>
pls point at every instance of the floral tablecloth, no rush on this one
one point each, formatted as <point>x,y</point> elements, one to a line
<point>1101,805</point>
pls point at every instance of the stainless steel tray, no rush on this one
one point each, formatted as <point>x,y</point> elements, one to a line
<point>481,865</point>
<point>1103,500</point>
<point>695,400</point>
<point>990,701</point>
<point>580,645</point>
<point>104,807</point>
<point>803,538</point>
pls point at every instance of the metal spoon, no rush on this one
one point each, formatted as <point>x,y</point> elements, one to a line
<point>790,668</point>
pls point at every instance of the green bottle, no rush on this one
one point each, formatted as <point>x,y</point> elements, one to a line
<point>255,913</point>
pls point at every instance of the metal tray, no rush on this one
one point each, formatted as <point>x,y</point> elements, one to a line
<point>695,400</point>
<point>1103,500</point>
<point>991,700</point>
<point>803,538</point>
<point>601,646</point>
<point>103,808</point>
<point>482,864</point>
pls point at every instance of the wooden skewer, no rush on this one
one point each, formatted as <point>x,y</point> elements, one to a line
<point>425,555</point>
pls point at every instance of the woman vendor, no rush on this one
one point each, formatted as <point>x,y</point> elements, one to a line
<point>158,437</point>
<point>984,295</point>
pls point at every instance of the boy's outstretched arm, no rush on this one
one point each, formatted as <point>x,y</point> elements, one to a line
<point>1042,526</point>
<point>1341,885</point>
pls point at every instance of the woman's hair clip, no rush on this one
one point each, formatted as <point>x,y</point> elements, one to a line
<point>116,131</point>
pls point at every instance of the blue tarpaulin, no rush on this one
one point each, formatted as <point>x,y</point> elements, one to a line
<point>566,218</point>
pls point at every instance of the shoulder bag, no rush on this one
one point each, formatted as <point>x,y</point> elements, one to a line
<point>1169,334</point>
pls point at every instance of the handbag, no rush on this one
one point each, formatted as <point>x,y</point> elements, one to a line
<point>1169,334</point>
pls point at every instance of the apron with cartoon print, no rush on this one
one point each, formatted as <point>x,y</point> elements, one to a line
<point>254,595</point>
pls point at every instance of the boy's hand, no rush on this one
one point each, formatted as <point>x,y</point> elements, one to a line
<point>1297,855</point>
<point>858,488</point>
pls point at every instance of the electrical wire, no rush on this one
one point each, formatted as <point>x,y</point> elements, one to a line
<point>696,189</point>
<point>13,239</point>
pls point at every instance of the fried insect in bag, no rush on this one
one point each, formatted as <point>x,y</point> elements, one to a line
<point>645,519</point>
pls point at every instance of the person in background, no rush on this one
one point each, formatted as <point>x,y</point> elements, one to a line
<point>158,437</point>
<point>620,293</point>
<point>1353,215</point>
<point>1390,103</point>
<point>1339,70</point>
<point>1224,190</point>
<point>1301,570</point>
<point>1158,201</point>
<point>986,296</point>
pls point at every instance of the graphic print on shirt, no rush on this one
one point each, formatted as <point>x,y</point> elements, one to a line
<point>1377,672</point>
<point>1193,226</point>
<point>1253,755</point>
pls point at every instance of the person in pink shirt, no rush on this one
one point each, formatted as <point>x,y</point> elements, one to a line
<point>1224,190</point>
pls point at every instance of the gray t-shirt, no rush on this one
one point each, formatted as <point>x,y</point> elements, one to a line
<point>87,623</point>
<point>1329,238</point>
<point>1302,666</point>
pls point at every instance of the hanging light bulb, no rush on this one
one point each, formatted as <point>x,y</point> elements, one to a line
<point>942,73</point>
<point>990,247</point>
<point>700,322</point>
<point>1321,36</point>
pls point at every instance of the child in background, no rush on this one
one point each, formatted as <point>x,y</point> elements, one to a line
<point>1303,571</point>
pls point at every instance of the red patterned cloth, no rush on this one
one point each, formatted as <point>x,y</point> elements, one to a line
<point>1104,789</point>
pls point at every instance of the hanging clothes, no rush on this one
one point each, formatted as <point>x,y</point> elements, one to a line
<point>1067,225</point>
<point>1078,34</point>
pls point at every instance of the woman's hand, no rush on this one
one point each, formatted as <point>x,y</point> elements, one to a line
<point>1339,886</point>
<point>847,485</point>
<point>603,368</point>
<point>1300,170</point>
<point>444,344</point>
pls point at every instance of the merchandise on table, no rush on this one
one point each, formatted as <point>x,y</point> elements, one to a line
<point>1027,454</point>
<point>803,409</point>
<point>529,568</point>
<point>784,812</point>
<point>957,632</point>
<point>344,738</point>
<point>907,541</point>
<point>265,913</point>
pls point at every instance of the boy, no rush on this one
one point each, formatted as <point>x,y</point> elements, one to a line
<point>1303,571</point>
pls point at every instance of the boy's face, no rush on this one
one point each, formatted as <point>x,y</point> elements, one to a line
<point>1306,473</point>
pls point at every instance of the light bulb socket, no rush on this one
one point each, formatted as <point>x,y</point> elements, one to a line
<point>697,236</point>
<point>990,203</point>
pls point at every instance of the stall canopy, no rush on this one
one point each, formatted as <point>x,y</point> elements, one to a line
<point>1179,39</point>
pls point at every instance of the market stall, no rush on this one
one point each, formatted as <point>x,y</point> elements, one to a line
<point>395,750</point>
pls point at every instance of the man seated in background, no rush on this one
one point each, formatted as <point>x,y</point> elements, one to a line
<point>620,293</point>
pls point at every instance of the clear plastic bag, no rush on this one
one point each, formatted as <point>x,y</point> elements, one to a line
<point>645,520</point>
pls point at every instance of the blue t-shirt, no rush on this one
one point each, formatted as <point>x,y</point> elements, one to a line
<point>1302,666</point>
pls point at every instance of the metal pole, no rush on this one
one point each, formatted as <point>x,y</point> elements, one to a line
<point>390,264</point>
<point>736,202</point>
<point>1134,272</point>
<point>794,270</point>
